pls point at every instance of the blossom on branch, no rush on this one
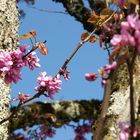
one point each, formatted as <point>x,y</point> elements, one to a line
<point>21,97</point>
<point>102,72</point>
<point>51,85</point>
<point>11,64</point>
<point>81,130</point>
<point>129,35</point>
<point>65,73</point>
<point>91,76</point>
<point>125,129</point>
<point>46,132</point>
<point>31,61</point>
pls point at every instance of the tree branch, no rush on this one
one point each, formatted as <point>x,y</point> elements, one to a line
<point>48,11</point>
<point>54,114</point>
<point>77,9</point>
<point>101,119</point>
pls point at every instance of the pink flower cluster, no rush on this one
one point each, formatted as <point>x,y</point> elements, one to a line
<point>21,97</point>
<point>46,132</point>
<point>129,35</point>
<point>11,64</point>
<point>103,73</point>
<point>31,61</point>
<point>125,130</point>
<point>51,85</point>
<point>80,131</point>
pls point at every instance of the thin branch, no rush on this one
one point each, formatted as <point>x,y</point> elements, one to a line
<point>105,104</point>
<point>86,39</point>
<point>91,4</point>
<point>48,11</point>
<point>33,48</point>
<point>130,66</point>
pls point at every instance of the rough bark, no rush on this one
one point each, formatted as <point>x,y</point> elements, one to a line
<point>8,35</point>
<point>55,114</point>
<point>81,13</point>
<point>77,9</point>
<point>119,108</point>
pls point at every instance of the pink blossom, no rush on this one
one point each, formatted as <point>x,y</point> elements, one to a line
<point>103,82</point>
<point>125,25</point>
<point>46,132</point>
<point>91,76</point>
<point>110,67</point>
<point>102,72</point>
<point>23,48</point>
<point>137,34</point>
<point>129,35</point>
<point>52,85</point>
<point>105,72</point>
<point>11,65</point>
<point>5,62</point>
<point>127,38</point>
<point>13,75</point>
<point>116,40</point>
<point>32,61</point>
<point>17,58</point>
<point>137,26</point>
<point>132,20</point>
<point>14,72</point>
<point>81,130</point>
<point>65,73</point>
<point>125,129</point>
<point>21,97</point>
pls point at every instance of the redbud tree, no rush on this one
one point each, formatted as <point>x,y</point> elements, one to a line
<point>116,117</point>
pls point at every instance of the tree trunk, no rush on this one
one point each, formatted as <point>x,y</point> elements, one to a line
<point>8,42</point>
<point>119,103</point>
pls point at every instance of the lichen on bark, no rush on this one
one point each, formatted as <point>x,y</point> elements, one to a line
<point>119,108</point>
<point>54,114</point>
<point>8,42</point>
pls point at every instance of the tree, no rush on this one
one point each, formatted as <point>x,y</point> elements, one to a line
<point>117,107</point>
<point>8,42</point>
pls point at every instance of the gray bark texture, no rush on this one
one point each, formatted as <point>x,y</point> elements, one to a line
<point>8,42</point>
<point>55,114</point>
<point>119,108</point>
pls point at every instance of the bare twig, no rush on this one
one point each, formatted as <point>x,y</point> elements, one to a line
<point>48,11</point>
<point>130,66</point>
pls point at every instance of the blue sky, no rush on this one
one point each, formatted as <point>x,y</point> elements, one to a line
<point>62,33</point>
